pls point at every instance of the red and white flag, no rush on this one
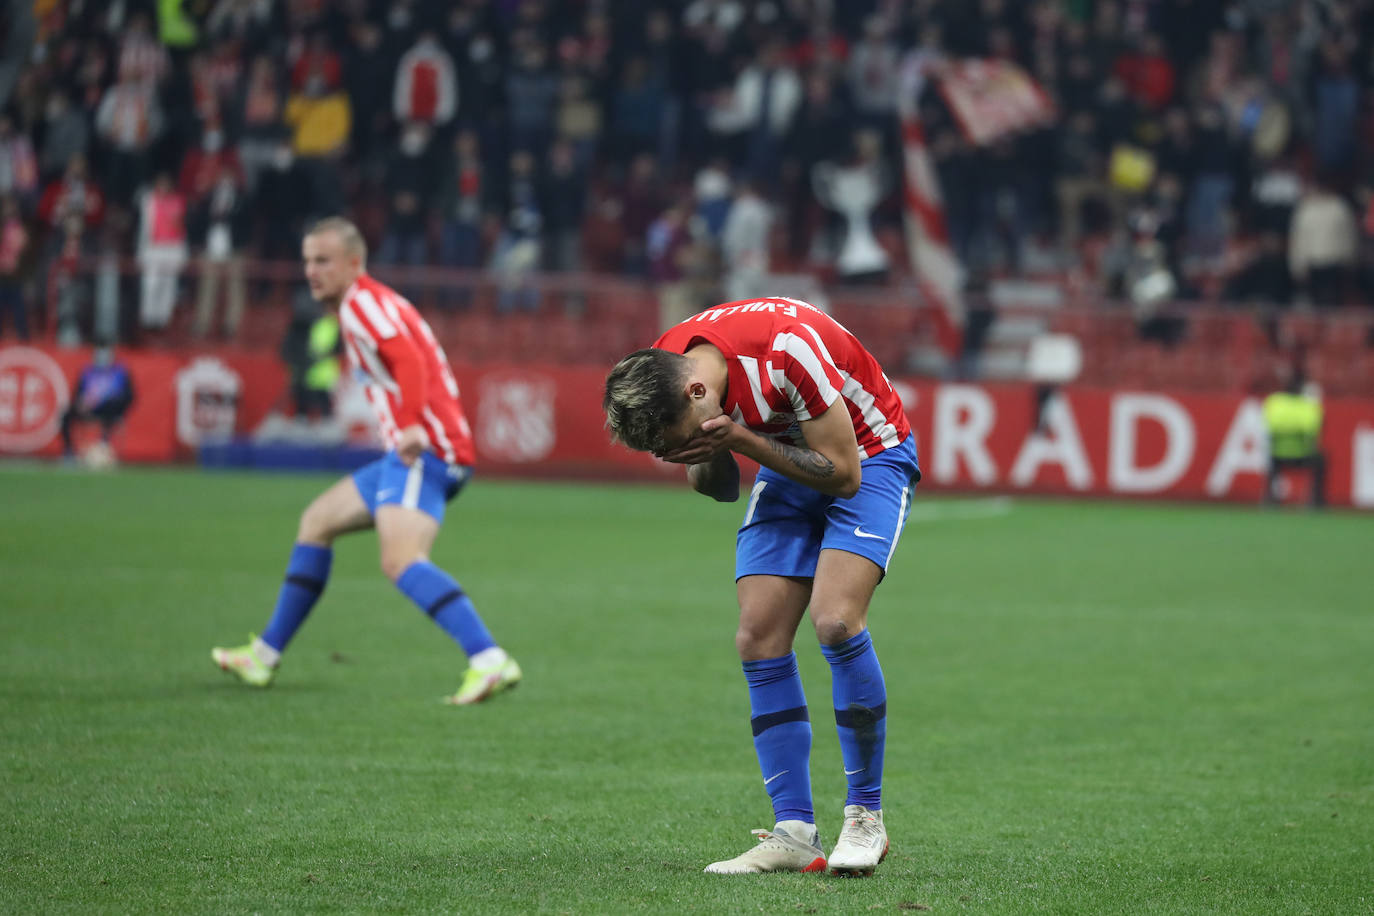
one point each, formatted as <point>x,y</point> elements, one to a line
<point>936,267</point>
<point>993,98</point>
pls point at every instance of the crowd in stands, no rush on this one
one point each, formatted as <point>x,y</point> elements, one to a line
<point>1203,148</point>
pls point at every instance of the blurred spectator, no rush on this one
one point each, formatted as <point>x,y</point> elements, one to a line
<point>668,248</point>
<point>1293,418</point>
<point>518,250</point>
<point>218,222</point>
<point>161,250</point>
<point>73,194</point>
<point>18,165</point>
<point>368,75</point>
<point>578,119</point>
<point>1081,178</point>
<point>264,136</point>
<point>1336,105</point>
<point>67,291</point>
<point>316,70</point>
<point>1213,183</point>
<point>1264,276</point>
<point>1147,74</point>
<point>759,109</point>
<point>462,203</point>
<point>744,245</point>
<point>104,393</point>
<point>249,21</point>
<point>409,184</point>
<point>426,88</point>
<point>873,66</point>
<point>531,96</point>
<point>637,110</point>
<point>1143,276</point>
<point>143,61</point>
<point>129,121</point>
<point>1275,193</point>
<point>643,200</point>
<point>713,194</point>
<point>65,134</point>
<point>603,232</point>
<point>1226,102</point>
<point>1323,244</point>
<point>565,205</point>
<point>320,116</point>
<point>202,165</point>
<point>14,246</point>
<point>311,350</point>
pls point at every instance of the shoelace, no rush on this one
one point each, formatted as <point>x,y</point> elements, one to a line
<point>863,827</point>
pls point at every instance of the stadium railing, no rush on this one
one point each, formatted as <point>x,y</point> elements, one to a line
<point>484,317</point>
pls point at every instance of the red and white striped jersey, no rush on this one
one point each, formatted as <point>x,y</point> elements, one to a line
<point>788,362</point>
<point>403,369</point>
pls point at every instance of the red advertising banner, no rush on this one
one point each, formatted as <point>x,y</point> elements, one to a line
<point>546,421</point>
<point>180,399</point>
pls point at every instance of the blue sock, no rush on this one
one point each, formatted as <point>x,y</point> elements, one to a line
<point>782,735</point>
<point>438,595</point>
<point>860,717</point>
<point>306,574</point>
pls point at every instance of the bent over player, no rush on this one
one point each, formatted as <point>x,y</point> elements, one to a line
<point>403,494</point>
<point>780,382</point>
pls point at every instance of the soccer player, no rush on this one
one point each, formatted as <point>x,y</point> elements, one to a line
<point>780,382</point>
<point>403,495</point>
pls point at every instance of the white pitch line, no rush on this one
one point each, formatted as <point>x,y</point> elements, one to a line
<point>952,510</point>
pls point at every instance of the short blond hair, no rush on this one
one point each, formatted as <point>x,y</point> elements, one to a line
<point>644,397</point>
<point>347,233</point>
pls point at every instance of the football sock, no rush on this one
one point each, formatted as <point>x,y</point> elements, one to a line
<point>782,735</point>
<point>437,594</point>
<point>306,574</point>
<point>860,717</point>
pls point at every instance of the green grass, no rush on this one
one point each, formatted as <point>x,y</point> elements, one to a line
<point>1093,709</point>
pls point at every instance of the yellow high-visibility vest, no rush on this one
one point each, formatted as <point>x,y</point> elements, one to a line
<point>1295,424</point>
<point>324,372</point>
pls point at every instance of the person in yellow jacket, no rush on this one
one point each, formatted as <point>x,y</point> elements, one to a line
<point>1294,421</point>
<point>320,117</point>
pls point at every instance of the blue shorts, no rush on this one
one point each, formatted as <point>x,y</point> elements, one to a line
<point>788,524</point>
<point>427,485</point>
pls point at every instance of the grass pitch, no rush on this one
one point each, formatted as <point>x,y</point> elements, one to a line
<point>1093,709</point>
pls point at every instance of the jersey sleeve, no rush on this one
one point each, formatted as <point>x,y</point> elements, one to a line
<point>383,341</point>
<point>804,371</point>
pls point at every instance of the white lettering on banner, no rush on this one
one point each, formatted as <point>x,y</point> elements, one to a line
<point>515,416</point>
<point>909,398</point>
<point>1245,450</point>
<point>1362,467</point>
<point>33,395</point>
<point>1059,443</point>
<point>207,401</point>
<point>963,436</point>
<point>1123,474</point>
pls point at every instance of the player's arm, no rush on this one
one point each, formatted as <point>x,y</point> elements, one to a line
<point>403,359</point>
<point>401,356</point>
<point>717,478</point>
<point>829,461</point>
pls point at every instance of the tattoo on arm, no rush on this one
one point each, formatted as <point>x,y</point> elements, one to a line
<point>809,461</point>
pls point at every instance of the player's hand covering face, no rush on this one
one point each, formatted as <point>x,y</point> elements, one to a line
<point>710,439</point>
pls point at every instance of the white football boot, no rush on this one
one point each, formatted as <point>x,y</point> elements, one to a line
<point>790,846</point>
<point>862,844</point>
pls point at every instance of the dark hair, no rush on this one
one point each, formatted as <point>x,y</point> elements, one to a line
<point>644,397</point>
